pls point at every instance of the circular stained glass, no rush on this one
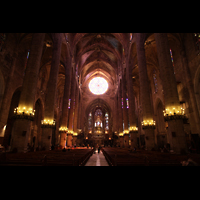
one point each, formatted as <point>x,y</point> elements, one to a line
<point>98,85</point>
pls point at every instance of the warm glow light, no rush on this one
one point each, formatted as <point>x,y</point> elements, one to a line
<point>63,128</point>
<point>98,85</point>
<point>48,122</point>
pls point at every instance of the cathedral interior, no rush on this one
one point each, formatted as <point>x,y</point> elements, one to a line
<point>118,90</point>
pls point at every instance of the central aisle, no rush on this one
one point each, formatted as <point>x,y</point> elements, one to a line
<point>97,160</point>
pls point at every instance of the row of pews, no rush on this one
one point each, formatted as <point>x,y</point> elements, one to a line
<point>72,157</point>
<point>125,157</point>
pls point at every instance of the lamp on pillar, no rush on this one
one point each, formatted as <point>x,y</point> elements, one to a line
<point>63,133</point>
<point>24,113</point>
<point>63,129</point>
<point>172,113</point>
<point>133,129</point>
<point>48,123</point>
<point>148,124</point>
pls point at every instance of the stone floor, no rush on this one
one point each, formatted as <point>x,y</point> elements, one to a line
<point>97,160</point>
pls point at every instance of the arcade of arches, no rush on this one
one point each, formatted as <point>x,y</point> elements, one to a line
<point>130,90</point>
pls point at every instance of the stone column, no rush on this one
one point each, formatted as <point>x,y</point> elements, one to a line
<point>120,117</point>
<point>71,111</point>
<point>21,127</point>
<point>190,86</point>
<point>7,97</point>
<point>65,110</point>
<point>131,111</point>
<point>175,127</point>
<point>48,122</point>
<point>125,114</point>
<point>75,133</point>
<point>147,110</point>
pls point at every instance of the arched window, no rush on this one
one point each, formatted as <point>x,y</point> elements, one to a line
<point>106,119</point>
<point>69,103</point>
<point>90,121</point>
<point>98,112</point>
<point>131,36</point>
<point>172,58</point>
<point>155,81</point>
<point>127,103</point>
<point>27,57</point>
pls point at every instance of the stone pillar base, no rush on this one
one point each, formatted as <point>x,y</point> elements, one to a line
<point>126,140</point>
<point>177,136</point>
<point>149,139</point>
<point>69,139</point>
<point>133,139</point>
<point>46,138</point>
<point>63,139</point>
<point>74,140</point>
<point>121,141</point>
<point>20,135</point>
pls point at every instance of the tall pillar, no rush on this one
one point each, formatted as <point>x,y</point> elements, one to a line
<point>21,127</point>
<point>172,104</point>
<point>190,86</point>
<point>64,120</point>
<point>48,123</point>
<point>75,131</point>
<point>125,114</point>
<point>7,97</point>
<point>147,110</point>
<point>120,117</point>
<point>115,118</point>
<point>80,112</point>
<point>71,111</point>
<point>131,111</point>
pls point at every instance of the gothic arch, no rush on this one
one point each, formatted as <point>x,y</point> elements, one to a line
<point>2,87</point>
<point>10,121</point>
<point>98,102</point>
<point>197,86</point>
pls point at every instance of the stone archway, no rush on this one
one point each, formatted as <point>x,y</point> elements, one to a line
<point>10,120</point>
<point>98,134</point>
<point>197,87</point>
<point>2,87</point>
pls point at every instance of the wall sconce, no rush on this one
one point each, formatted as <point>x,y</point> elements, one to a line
<point>63,129</point>
<point>133,129</point>
<point>146,124</point>
<point>48,123</point>
<point>24,113</point>
<point>172,113</point>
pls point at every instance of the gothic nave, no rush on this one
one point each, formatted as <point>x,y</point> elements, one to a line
<point>124,90</point>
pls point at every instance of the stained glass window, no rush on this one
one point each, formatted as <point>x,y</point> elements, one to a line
<point>27,57</point>
<point>90,121</point>
<point>131,36</point>
<point>106,119</point>
<point>69,103</point>
<point>98,85</point>
<point>127,103</point>
<point>98,112</point>
<point>155,81</point>
<point>172,59</point>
